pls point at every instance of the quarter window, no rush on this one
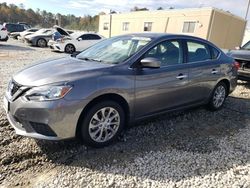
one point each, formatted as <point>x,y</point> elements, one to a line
<point>197,52</point>
<point>147,26</point>
<point>168,52</point>
<point>188,27</point>
<point>125,26</point>
<point>215,53</point>
<point>106,26</point>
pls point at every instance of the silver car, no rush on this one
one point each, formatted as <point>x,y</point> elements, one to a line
<point>94,95</point>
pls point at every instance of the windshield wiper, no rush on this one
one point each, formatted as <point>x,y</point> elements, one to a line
<point>90,59</point>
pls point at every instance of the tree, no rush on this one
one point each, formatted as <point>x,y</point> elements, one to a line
<point>160,8</point>
<point>42,18</point>
<point>138,9</point>
<point>21,6</point>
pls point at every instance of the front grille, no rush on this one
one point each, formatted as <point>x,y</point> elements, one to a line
<point>13,87</point>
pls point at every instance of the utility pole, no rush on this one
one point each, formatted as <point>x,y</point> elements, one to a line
<point>110,21</point>
<point>247,9</point>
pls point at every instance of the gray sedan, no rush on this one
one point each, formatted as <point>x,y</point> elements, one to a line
<point>94,95</point>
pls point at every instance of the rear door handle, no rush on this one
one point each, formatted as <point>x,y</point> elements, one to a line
<point>181,76</point>
<point>214,71</point>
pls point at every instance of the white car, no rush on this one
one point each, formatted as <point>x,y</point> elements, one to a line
<point>76,42</point>
<point>3,33</point>
<point>26,33</point>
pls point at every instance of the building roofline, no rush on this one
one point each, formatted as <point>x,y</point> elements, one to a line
<point>189,10</point>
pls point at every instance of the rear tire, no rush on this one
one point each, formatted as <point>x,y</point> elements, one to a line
<point>218,97</point>
<point>70,49</point>
<point>102,124</point>
<point>42,43</point>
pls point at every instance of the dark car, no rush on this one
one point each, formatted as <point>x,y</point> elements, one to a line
<point>242,56</point>
<point>94,95</point>
<point>42,36</point>
<point>15,27</point>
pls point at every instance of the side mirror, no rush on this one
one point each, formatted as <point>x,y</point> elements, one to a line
<point>150,62</point>
<point>79,39</point>
<point>74,54</point>
<point>237,48</point>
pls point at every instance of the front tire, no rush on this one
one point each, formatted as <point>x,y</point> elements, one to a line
<point>102,124</point>
<point>218,97</point>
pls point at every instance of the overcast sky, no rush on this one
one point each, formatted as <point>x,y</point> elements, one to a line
<point>92,7</point>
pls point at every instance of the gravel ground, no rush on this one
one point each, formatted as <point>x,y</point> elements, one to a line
<point>194,148</point>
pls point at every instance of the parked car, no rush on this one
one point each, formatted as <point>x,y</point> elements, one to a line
<point>15,27</point>
<point>16,35</point>
<point>3,33</point>
<point>41,37</point>
<point>26,33</point>
<point>242,55</point>
<point>95,94</point>
<point>76,42</point>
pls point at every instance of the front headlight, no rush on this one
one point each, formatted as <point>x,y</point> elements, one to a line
<point>46,93</point>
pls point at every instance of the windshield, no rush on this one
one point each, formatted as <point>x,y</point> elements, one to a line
<point>246,46</point>
<point>76,35</point>
<point>114,50</point>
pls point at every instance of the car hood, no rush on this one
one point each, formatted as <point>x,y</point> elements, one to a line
<point>240,54</point>
<point>61,30</point>
<point>58,70</point>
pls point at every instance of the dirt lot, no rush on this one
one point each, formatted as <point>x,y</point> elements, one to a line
<point>194,148</point>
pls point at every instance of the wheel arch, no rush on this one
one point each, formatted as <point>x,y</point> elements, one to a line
<point>111,96</point>
<point>227,83</point>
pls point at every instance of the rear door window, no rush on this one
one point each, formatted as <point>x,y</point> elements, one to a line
<point>90,37</point>
<point>197,52</point>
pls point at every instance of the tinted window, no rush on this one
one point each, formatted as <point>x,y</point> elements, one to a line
<point>90,37</point>
<point>197,52</point>
<point>215,53</point>
<point>168,52</point>
<point>20,27</point>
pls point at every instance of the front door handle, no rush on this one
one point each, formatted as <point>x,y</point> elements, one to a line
<point>214,71</point>
<point>181,76</point>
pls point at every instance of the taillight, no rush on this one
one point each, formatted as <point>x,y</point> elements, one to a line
<point>236,65</point>
<point>3,29</point>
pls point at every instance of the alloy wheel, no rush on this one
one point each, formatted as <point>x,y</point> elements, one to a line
<point>219,96</point>
<point>104,124</point>
<point>41,43</point>
<point>69,49</point>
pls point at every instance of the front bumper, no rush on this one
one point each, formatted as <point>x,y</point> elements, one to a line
<point>51,120</point>
<point>57,47</point>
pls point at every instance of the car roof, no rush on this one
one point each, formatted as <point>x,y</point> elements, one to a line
<point>78,34</point>
<point>159,36</point>
<point>153,35</point>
